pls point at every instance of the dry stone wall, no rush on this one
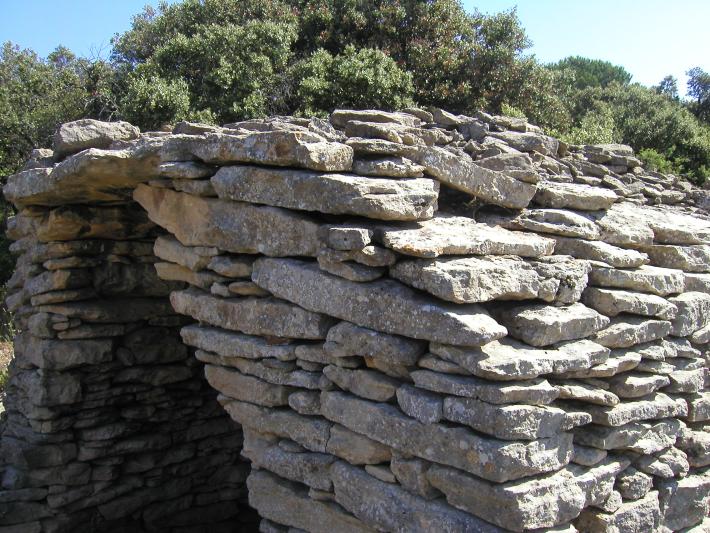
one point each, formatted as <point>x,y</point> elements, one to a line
<point>419,321</point>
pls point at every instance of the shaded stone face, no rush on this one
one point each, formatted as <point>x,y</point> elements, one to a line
<point>386,321</point>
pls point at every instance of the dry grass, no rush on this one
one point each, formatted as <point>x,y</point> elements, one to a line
<point>6,353</point>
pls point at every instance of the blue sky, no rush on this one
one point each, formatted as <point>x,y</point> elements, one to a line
<point>650,38</point>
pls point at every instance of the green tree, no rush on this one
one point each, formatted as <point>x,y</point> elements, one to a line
<point>593,72</point>
<point>238,63</point>
<point>668,86</point>
<point>699,91</point>
<point>353,79</point>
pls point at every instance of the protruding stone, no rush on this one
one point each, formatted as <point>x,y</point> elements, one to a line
<point>611,302</point>
<point>653,280</point>
<point>384,305</point>
<point>340,194</point>
<point>543,325</point>
<point>230,226</point>
<point>450,235</point>
<point>573,196</point>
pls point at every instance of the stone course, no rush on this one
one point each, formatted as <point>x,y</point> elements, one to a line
<point>388,321</point>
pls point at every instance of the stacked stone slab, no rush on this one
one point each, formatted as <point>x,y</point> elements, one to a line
<point>109,425</point>
<point>429,322</point>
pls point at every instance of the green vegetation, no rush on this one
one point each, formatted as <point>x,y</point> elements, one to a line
<point>219,61</point>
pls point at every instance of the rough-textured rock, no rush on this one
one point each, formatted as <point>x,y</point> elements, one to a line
<point>73,137</point>
<point>449,235</point>
<point>339,194</point>
<point>391,307</point>
<point>573,196</point>
<point>611,302</point>
<point>542,325</point>
<point>541,502</point>
<point>599,251</point>
<point>240,228</point>
<point>488,458</point>
<point>253,316</point>
<point>277,148</point>
<point>653,280</point>
<point>488,185</point>
<point>635,517</point>
<point>481,279</point>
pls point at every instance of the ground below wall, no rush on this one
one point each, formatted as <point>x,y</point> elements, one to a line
<point>409,321</point>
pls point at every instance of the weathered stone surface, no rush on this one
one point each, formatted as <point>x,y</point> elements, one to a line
<point>541,502</point>
<point>611,302</point>
<point>553,221</point>
<point>667,463</point>
<point>175,272</point>
<point>286,502</point>
<point>684,502</point>
<point>636,384</point>
<point>411,474</point>
<point>234,227</point>
<point>420,404</point>
<point>62,355</point>
<point>277,148</point>
<point>343,194</point>
<point>328,261</point>
<point>193,257</point>
<point>599,251</point>
<point>481,279</point>
<point>699,407</point>
<point>693,313</point>
<point>632,484</point>
<point>630,330</point>
<point>450,235</point>
<point>573,196</point>
<point>510,422</point>
<point>253,316</point>
<point>488,458</point>
<point>690,258</point>
<point>653,280</point>
<point>232,266</point>
<point>340,117</point>
<point>246,388</point>
<point>72,137</point>
<point>490,186</point>
<point>529,141</point>
<point>346,339</point>
<point>113,310</point>
<point>356,449</point>
<point>388,167</point>
<point>391,508</point>
<point>383,147</point>
<point>696,445</point>
<point>584,392</point>
<point>383,305</point>
<point>536,392</point>
<point>232,344</point>
<point>637,516</point>
<point>654,406</point>
<point>367,384</point>
<point>543,325</point>
<point>507,360</point>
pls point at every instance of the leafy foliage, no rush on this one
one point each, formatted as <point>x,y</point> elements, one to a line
<point>593,72</point>
<point>354,79</point>
<point>699,91</point>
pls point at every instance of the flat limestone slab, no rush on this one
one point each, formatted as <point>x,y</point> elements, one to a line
<point>482,279</point>
<point>654,406</point>
<point>542,502</point>
<point>464,175</point>
<point>599,251</point>
<point>280,148</point>
<point>338,194</point>
<point>542,325</point>
<point>451,235</point>
<point>650,279</point>
<point>383,305</point>
<point>232,344</point>
<point>509,360</point>
<point>253,316</point>
<point>690,258</point>
<point>230,226</point>
<point>573,196</point>
<point>488,458</point>
<point>611,302</point>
